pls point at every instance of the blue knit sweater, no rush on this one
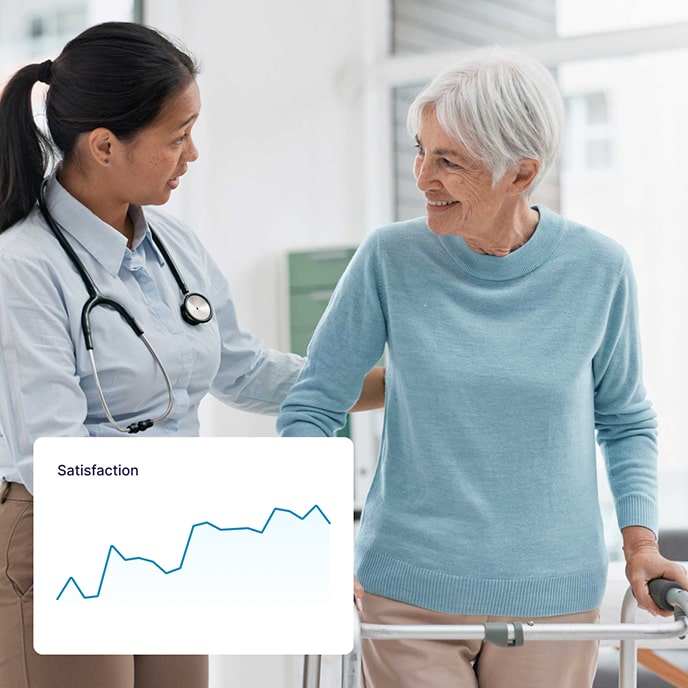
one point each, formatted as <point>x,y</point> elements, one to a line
<point>499,372</point>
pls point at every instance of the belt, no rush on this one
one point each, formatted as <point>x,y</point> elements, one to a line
<point>15,492</point>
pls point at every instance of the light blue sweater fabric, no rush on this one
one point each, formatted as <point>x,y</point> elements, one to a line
<point>499,372</point>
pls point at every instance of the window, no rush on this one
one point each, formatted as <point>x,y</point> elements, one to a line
<point>580,17</point>
<point>38,29</point>
<point>588,145</point>
<point>421,26</point>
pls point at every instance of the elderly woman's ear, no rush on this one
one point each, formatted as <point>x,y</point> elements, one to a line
<point>523,175</point>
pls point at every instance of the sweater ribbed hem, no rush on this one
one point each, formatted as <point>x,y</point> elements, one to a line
<point>637,510</point>
<point>383,575</point>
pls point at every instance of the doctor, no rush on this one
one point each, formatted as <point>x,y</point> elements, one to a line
<point>121,105</point>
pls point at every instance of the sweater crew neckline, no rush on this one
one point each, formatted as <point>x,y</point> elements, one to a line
<point>529,257</point>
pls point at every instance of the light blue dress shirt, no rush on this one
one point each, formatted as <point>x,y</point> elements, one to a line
<point>46,384</point>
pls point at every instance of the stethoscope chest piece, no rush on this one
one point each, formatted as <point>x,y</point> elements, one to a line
<point>196,309</point>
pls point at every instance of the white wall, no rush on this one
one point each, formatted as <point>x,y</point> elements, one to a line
<point>280,144</point>
<point>280,168</point>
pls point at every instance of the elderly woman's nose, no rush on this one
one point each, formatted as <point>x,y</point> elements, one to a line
<point>424,177</point>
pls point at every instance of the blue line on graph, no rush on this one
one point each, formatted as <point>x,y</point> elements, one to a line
<point>112,548</point>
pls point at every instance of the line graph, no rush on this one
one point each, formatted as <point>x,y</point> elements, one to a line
<point>252,556</point>
<point>114,549</point>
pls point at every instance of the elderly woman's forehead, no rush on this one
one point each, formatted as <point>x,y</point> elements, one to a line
<point>431,125</point>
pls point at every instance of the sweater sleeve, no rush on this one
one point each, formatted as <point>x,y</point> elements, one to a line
<point>347,343</point>
<point>624,418</point>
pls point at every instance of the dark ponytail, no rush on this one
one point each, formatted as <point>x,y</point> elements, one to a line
<point>116,75</point>
<point>24,149</point>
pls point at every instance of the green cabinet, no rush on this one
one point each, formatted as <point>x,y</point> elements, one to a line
<point>313,276</point>
<point>310,270</point>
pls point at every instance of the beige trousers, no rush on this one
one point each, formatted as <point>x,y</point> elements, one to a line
<point>471,663</point>
<point>22,667</point>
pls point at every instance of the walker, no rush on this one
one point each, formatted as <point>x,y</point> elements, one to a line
<point>666,594</point>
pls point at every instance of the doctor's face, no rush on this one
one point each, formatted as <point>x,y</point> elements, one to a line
<point>156,159</point>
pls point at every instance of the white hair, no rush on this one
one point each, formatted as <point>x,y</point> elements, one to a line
<point>501,105</point>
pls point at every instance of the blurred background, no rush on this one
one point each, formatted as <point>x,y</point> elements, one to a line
<point>303,151</point>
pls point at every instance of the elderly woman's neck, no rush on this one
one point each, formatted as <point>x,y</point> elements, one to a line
<point>509,236</point>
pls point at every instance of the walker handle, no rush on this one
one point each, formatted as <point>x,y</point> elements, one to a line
<point>659,589</point>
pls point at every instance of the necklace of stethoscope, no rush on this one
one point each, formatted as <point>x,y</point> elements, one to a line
<point>195,310</point>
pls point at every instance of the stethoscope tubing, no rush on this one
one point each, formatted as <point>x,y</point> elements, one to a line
<point>142,425</point>
<point>192,314</point>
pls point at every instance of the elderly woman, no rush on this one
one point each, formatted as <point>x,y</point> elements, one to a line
<point>512,337</point>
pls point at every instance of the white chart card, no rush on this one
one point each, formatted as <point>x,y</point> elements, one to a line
<point>193,545</point>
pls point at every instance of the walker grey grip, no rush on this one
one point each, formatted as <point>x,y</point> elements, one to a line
<point>497,633</point>
<point>659,589</point>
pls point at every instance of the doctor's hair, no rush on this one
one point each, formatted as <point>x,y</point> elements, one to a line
<point>501,105</point>
<point>116,75</point>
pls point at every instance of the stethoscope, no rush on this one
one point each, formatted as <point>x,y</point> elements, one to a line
<point>195,309</point>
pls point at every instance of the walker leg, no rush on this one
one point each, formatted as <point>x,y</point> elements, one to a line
<point>628,653</point>
<point>311,671</point>
<point>350,669</point>
<point>351,663</point>
<point>628,664</point>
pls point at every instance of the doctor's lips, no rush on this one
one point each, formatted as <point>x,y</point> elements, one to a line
<point>174,182</point>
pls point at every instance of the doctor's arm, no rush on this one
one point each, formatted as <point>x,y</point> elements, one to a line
<point>39,388</point>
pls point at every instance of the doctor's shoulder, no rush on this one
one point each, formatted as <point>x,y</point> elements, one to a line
<point>30,237</point>
<point>32,260</point>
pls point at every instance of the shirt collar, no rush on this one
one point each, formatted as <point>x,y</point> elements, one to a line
<point>107,246</point>
<point>142,232</point>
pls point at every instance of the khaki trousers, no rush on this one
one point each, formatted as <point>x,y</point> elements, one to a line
<point>22,667</point>
<point>471,663</point>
